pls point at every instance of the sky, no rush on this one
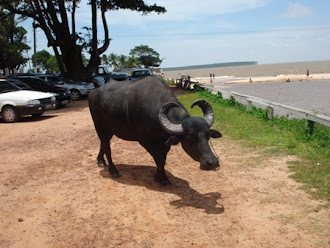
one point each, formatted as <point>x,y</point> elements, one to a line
<point>198,32</point>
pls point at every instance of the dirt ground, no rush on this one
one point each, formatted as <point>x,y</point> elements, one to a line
<point>53,194</point>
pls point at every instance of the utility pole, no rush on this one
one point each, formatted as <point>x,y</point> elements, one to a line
<point>35,47</point>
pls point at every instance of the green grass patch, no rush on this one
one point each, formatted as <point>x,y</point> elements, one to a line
<point>278,136</point>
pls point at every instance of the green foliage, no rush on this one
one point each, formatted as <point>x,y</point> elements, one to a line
<point>139,56</point>
<point>279,136</point>
<point>168,81</point>
<point>51,65</point>
<point>12,43</point>
<point>118,62</point>
<point>42,57</point>
<point>147,56</point>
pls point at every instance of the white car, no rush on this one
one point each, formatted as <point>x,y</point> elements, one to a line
<point>15,103</point>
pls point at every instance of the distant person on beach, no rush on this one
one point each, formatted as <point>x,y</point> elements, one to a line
<point>307,74</point>
<point>213,76</point>
<point>210,77</point>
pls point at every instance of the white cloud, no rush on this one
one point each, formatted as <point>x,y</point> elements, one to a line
<point>297,10</point>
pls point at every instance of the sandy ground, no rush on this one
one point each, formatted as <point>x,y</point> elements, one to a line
<point>53,195</point>
<point>265,79</point>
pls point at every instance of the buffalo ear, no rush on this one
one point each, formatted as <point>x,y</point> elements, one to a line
<point>215,133</point>
<point>173,140</point>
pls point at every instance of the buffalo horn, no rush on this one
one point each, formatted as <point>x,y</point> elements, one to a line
<point>166,123</point>
<point>207,110</point>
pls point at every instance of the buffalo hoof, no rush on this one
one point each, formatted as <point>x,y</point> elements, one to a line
<point>165,182</point>
<point>101,163</point>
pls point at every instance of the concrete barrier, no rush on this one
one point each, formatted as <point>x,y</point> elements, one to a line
<point>271,107</point>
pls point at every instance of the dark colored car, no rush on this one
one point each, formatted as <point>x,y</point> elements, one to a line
<point>20,84</point>
<point>77,89</point>
<point>139,73</point>
<point>33,74</point>
<point>103,71</point>
<point>119,76</point>
<point>63,95</point>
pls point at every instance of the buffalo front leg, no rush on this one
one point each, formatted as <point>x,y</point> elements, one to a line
<point>159,156</point>
<point>160,175</point>
<point>105,149</point>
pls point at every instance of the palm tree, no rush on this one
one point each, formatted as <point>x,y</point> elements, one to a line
<point>122,61</point>
<point>133,62</point>
<point>113,61</point>
<point>105,60</point>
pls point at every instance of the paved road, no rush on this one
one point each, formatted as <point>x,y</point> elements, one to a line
<point>312,95</point>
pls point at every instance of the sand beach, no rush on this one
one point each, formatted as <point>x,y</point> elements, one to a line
<point>280,72</point>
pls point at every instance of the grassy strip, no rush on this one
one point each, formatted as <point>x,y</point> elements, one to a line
<point>279,135</point>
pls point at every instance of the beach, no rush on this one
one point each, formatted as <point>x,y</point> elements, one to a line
<point>259,73</point>
<point>285,83</point>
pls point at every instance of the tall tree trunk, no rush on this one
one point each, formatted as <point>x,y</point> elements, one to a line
<point>95,57</point>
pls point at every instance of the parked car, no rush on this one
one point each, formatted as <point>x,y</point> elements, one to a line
<point>97,81</point>
<point>77,89</point>
<point>104,71</point>
<point>119,76</point>
<point>34,74</point>
<point>62,95</point>
<point>139,73</point>
<point>20,84</point>
<point>15,103</point>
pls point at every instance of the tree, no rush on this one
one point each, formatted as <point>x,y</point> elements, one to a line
<point>147,56</point>
<point>53,16</point>
<point>51,65</point>
<point>12,42</point>
<point>42,58</point>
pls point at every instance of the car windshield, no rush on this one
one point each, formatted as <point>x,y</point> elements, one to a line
<point>7,87</point>
<point>140,73</point>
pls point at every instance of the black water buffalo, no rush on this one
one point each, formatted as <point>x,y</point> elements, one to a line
<point>147,111</point>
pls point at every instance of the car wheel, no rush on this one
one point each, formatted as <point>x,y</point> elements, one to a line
<point>10,114</point>
<point>75,95</point>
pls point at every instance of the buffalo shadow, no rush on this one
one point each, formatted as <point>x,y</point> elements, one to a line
<point>142,175</point>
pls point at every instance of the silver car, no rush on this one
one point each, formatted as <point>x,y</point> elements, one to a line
<point>77,89</point>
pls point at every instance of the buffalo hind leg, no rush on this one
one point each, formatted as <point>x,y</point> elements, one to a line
<point>105,149</point>
<point>100,157</point>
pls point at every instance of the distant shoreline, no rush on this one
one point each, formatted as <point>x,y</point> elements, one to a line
<point>262,70</point>
<point>214,65</point>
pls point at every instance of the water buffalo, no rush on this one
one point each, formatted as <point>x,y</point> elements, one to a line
<point>147,111</point>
